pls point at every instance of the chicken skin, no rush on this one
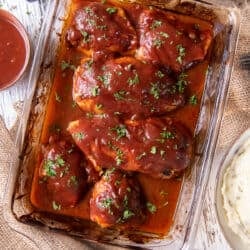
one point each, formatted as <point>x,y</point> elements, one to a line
<point>117,200</point>
<point>160,147</point>
<point>125,86</point>
<point>99,29</point>
<point>172,41</point>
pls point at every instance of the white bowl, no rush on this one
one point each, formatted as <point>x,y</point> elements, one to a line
<point>233,239</point>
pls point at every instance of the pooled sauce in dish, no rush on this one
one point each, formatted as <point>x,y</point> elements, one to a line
<point>12,52</point>
<point>236,193</point>
<point>129,110</point>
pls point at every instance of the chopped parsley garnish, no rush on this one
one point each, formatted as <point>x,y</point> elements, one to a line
<point>155,24</point>
<point>72,181</point>
<point>119,156</point>
<point>164,34</point>
<point>151,207</point>
<point>79,136</point>
<point>89,115</point>
<point>49,166</point>
<point>85,36</point>
<point>101,27</point>
<point>153,150</point>
<point>127,214</point>
<point>95,91</point>
<point>166,135</point>
<point>107,203</point>
<point>89,11</point>
<point>117,182</point>
<point>105,79</point>
<point>163,193</point>
<point>120,130</point>
<point>155,90</point>
<point>58,97</point>
<point>162,153</point>
<point>120,95</point>
<point>159,74</point>
<point>139,157</point>
<point>158,43</point>
<point>67,65</point>
<point>125,201</point>
<point>89,64</point>
<point>119,153</point>
<point>193,100</point>
<point>132,81</point>
<point>111,10</point>
<point>181,53</point>
<point>108,173</point>
<point>182,82</point>
<point>56,206</point>
<point>99,106</point>
<point>59,161</point>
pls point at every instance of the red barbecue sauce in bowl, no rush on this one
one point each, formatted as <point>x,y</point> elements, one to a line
<point>14,49</point>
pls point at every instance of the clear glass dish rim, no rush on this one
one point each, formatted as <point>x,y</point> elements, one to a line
<point>211,138</point>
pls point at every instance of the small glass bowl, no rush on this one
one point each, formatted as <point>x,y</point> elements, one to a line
<point>7,16</point>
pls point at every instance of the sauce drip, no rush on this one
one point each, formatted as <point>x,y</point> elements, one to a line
<point>12,53</point>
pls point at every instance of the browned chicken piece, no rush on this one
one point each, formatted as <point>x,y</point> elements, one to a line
<point>160,147</point>
<point>100,29</point>
<point>62,172</point>
<point>173,41</point>
<point>117,200</point>
<point>125,86</point>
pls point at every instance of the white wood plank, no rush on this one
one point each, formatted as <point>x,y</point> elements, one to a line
<point>30,15</point>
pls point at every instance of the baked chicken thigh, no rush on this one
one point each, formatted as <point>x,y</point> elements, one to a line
<point>172,41</point>
<point>99,29</point>
<point>125,86</point>
<point>160,147</point>
<point>62,172</point>
<point>117,200</point>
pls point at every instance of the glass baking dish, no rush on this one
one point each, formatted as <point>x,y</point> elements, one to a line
<point>226,22</point>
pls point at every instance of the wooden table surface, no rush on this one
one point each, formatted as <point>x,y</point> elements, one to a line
<point>208,235</point>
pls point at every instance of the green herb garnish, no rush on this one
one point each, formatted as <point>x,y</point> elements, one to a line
<point>120,95</point>
<point>132,81</point>
<point>127,214</point>
<point>155,90</point>
<point>159,74</point>
<point>56,206</point>
<point>67,65</point>
<point>79,136</point>
<point>139,157</point>
<point>155,24</point>
<point>111,10</point>
<point>85,35</point>
<point>120,130</point>
<point>193,100</point>
<point>158,43</point>
<point>95,91</point>
<point>153,150</point>
<point>181,53</point>
<point>151,207</point>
